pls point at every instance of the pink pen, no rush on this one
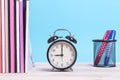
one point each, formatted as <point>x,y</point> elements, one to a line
<point>102,48</point>
<point>21,38</point>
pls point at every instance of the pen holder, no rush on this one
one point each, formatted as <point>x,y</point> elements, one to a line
<point>104,53</point>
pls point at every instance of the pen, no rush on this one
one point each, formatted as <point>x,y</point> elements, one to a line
<point>102,48</point>
<point>109,47</point>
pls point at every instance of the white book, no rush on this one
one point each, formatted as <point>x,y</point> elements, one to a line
<point>3,36</point>
<point>28,50</point>
<point>30,63</point>
<point>18,36</point>
<point>6,38</point>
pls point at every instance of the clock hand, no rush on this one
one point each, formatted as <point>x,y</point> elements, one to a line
<point>61,49</point>
<point>57,55</point>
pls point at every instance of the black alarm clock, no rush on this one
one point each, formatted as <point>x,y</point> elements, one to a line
<point>61,54</point>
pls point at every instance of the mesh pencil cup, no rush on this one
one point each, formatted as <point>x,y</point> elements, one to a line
<point>104,53</point>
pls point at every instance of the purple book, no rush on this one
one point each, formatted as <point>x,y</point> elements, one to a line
<point>21,39</point>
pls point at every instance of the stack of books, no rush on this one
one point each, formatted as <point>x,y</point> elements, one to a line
<point>14,40</point>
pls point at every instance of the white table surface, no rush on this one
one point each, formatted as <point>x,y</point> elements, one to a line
<point>81,71</point>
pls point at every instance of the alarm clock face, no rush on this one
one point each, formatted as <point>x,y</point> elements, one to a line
<point>61,54</point>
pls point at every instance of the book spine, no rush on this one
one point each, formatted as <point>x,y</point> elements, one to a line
<point>21,38</point>
<point>12,35</point>
<point>24,28</point>
<point>6,37</point>
<point>0,37</point>
<point>18,36</point>
<point>3,38</point>
<point>27,32</point>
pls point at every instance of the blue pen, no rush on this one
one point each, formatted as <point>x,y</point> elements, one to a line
<point>109,47</point>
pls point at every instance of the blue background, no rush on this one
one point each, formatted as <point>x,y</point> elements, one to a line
<point>86,19</point>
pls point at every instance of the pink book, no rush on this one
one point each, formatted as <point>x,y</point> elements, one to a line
<point>0,38</point>
<point>6,37</point>
<point>12,53</point>
<point>21,39</point>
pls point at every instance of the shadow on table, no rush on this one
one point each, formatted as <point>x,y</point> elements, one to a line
<point>53,70</point>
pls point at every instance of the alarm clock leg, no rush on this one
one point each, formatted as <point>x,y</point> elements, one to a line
<point>71,69</point>
<point>52,69</point>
